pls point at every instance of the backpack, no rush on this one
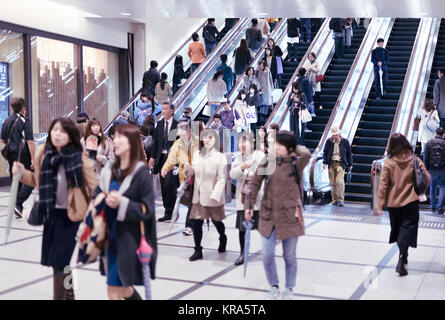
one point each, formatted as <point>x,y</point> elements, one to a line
<point>208,35</point>
<point>419,184</point>
<point>148,142</point>
<point>437,157</point>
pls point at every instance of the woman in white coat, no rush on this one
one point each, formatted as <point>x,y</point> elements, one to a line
<point>210,169</point>
<point>244,167</point>
<point>429,122</point>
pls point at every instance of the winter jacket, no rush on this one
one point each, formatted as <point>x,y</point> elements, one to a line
<point>254,38</point>
<point>396,188</point>
<point>136,189</point>
<point>255,100</point>
<point>435,142</point>
<point>266,84</point>
<point>210,34</point>
<point>247,82</point>
<point>196,52</point>
<point>163,95</point>
<point>150,80</point>
<point>382,55</point>
<point>313,70</point>
<point>306,87</point>
<point>216,90</point>
<point>241,61</point>
<point>180,154</point>
<point>106,151</point>
<point>143,110</point>
<point>337,25</point>
<point>282,196</point>
<point>293,27</point>
<point>345,152</point>
<point>439,96</point>
<point>228,73</point>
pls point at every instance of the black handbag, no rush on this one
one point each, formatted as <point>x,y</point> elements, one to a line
<point>36,217</point>
<point>6,151</point>
<point>420,184</point>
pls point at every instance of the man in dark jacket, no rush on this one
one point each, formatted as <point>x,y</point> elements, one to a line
<point>439,96</point>
<point>306,87</point>
<point>435,164</point>
<point>337,25</point>
<point>337,157</point>
<point>210,34</point>
<point>228,76</point>
<point>151,78</point>
<point>254,36</point>
<point>380,59</point>
<point>293,38</point>
<point>163,139</point>
<point>19,129</point>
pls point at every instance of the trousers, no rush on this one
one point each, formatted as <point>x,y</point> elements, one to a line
<point>337,181</point>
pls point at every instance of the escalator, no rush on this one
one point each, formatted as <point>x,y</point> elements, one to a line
<point>375,124</point>
<point>331,87</point>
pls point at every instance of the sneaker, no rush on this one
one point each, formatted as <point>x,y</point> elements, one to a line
<point>187,231</point>
<point>274,293</point>
<point>307,130</point>
<point>313,115</point>
<point>18,212</point>
<point>340,204</point>
<point>287,294</point>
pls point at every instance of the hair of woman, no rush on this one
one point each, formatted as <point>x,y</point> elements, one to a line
<point>164,77</point>
<point>88,131</point>
<point>398,145</point>
<point>70,128</point>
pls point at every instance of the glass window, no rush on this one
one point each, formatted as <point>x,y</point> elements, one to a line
<point>100,84</point>
<point>12,77</point>
<point>54,81</point>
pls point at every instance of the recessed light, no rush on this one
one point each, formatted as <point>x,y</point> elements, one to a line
<point>125,14</point>
<point>262,14</point>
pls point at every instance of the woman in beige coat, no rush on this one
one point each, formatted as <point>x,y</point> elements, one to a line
<point>312,71</point>
<point>210,169</point>
<point>396,191</point>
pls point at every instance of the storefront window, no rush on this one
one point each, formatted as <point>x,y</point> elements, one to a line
<point>54,81</point>
<point>100,84</point>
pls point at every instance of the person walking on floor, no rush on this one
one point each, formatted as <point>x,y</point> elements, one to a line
<point>196,52</point>
<point>163,90</point>
<point>210,35</point>
<point>181,155</point>
<point>254,36</point>
<point>293,38</point>
<point>151,78</point>
<point>337,157</point>
<point>65,177</point>
<point>209,166</point>
<point>380,59</point>
<point>439,95</point>
<point>281,212</point>
<point>396,191</point>
<point>19,129</point>
<point>129,201</point>
<point>163,140</point>
<point>246,162</point>
<point>435,164</point>
<point>228,76</point>
<point>95,143</point>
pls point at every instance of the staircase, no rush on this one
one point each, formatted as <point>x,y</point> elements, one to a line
<point>375,125</point>
<point>335,77</point>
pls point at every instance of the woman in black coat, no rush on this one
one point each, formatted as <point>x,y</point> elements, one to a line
<point>242,58</point>
<point>254,99</point>
<point>178,73</point>
<point>296,104</point>
<point>276,66</point>
<point>129,189</point>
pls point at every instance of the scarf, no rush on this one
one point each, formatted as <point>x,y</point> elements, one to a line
<point>71,159</point>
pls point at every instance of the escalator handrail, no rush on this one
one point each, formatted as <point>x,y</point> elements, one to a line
<point>255,61</point>
<point>125,107</point>
<point>405,86</point>
<point>204,67</point>
<point>295,74</point>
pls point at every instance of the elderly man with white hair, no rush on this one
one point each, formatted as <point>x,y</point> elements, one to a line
<point>338,157</point>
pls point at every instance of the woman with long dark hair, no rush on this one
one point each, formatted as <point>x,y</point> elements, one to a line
<point>129,201</point>
<point>210,169</point>
<point>276,66</point>
<point>254,99</point>
<point>97,146</point>
<point>163,90</point>
<point>65,180</point>
<point>242,58</point>
<point>178,73</point>
<point>296,105</point>
<point>396,191</point>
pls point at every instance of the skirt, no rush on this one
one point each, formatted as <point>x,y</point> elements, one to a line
<point>59,240</point>
<point>203,213</point>
<point>404,224</point>
<point>240,219</point>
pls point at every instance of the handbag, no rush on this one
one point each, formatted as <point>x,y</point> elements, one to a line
<point>419,184</point>
<point>245,190</point>
<point>36,217</point>
<point>319,78</point>
<point>306,116</point>
<point>435,124</point>
<point>251,114</point>
<point>6,151</point>
<point>187,197</point>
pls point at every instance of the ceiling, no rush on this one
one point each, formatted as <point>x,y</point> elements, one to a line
<point>142,9</point>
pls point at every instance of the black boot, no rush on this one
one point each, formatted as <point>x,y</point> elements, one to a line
<point>134,296</point>
<point>222,243</point>
<point>197,255</point>
<point>405,259</point>
<point>401,267</point>
<point>240,259</point>
<point>58,288</point>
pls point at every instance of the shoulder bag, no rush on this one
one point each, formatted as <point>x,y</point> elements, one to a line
<point>305,116</point>
<point>431,124</point>
<point>6,151</point>
<point>420,184</point>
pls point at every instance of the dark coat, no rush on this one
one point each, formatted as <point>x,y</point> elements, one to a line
<point>282,195</point>
<point>158,140</point>
<point>337,24</point>
<point>254,37</point>
<point>439,96</point>
<point>139,190</point>
<point>345,153</point>
<point>276,52</point>
<point>150,80</point>
<point>382,55</point>
<point>293,27</point>
<point>228,73</point>
<point>241,61</point>
<point>210,34</point>
<point>307,89</point>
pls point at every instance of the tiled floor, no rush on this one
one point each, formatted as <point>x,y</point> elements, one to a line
<point>338,258</point>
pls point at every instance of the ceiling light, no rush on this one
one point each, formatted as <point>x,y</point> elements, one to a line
<point>262,14</point>
<point>125,14</point>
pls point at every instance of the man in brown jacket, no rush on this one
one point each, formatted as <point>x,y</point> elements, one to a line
<point>281,212</point>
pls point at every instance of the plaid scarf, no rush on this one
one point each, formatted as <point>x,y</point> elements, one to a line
<point>71,159</point>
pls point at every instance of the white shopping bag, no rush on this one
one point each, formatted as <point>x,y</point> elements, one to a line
<point>251,115</point>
